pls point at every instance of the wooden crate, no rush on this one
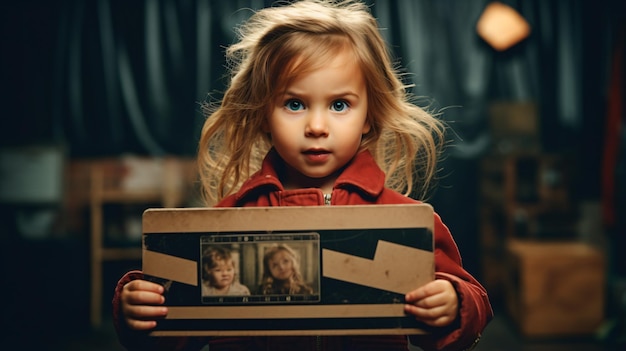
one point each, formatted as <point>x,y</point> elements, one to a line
<point>556,288</point>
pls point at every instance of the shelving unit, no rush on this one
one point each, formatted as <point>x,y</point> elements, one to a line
<point>524,196</point>
<point>138,182</point>
<point>492,219</point>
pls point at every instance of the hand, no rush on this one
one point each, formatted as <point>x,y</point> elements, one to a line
<point>140,300</point>
<point>435,303</point>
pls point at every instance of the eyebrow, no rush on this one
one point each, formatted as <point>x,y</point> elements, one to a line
<point>333,96</point>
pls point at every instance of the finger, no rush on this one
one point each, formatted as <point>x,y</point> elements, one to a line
<point>432,288</point>
<point>441,321</point>
<point>142,297</point>
<point>435,293</point>
<point>135,324</point>
<point>439,316</point>
<point>143,285</point>
<point>440,299</point>
<point>416,295</point>
<point>143,317</point>
<point>430,313</point>
<point>420,312</point>
<point>143,312</point>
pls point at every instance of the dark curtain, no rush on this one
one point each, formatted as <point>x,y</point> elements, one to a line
<point>111,77</point>
<point>120,76</point>
<point>562,67</point>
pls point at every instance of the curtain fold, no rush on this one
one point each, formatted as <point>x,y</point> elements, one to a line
<point>111,77</point>
<point>173,52</point>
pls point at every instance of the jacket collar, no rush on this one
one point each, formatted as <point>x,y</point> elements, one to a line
<point>361,174</point>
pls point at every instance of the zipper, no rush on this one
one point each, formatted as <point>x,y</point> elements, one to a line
<point>327,198</point>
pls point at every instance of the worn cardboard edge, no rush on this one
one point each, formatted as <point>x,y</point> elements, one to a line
<point>173,220</point>
<point>287,312</point>
<point>308,332</point>
<point>170,267</point>
<point>274,219</point>
<point>392,269</point>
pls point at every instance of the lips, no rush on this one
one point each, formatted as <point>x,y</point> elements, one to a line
<point>316,152</point>
<point>317,155</point>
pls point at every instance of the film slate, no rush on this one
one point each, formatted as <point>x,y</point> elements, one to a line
<point>340,270</point>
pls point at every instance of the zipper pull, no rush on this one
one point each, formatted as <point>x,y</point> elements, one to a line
<point>327,198</point>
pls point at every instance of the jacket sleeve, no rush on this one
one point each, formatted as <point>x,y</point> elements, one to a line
<point>141,340</point>
<point>474,306</point>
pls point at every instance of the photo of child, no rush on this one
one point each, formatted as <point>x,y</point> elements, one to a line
<point>281,272</point>
<point>219,273</point>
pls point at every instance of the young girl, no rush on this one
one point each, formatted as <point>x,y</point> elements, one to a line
<point>281,273</point>
<point>218,273</point>
<point>315,114</point>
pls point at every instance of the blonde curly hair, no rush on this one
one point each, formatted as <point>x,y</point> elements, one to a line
<point>279,44</point>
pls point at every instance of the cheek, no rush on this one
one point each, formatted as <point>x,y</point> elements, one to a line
<point>272,121</point>
<point>366,127</point>
<point>284,137</point>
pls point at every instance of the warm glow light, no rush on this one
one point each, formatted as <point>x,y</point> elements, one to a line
<point>501,26</point>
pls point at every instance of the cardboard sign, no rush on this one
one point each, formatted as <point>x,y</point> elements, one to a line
<point>321,270</point>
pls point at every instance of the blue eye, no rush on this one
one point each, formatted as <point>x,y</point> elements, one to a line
<point>294,105</point>
<point>339,106</point>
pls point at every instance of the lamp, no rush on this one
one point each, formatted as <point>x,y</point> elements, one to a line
<point>501,26</point>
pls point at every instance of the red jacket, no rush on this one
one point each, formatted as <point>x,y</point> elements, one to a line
<point>361,183</point>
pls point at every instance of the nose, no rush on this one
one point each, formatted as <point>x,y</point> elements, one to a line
<point>317,124</point>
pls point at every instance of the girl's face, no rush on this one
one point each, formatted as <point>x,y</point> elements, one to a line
<point>222,275</point>
<point>316,125</point>
<point>281,265</point>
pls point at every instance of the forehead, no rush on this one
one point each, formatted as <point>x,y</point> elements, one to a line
<point>279,255</point>
<point>314,58</point>
<point>223,262</point>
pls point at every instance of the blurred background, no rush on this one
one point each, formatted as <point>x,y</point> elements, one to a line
<point>101,118</point>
